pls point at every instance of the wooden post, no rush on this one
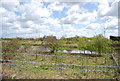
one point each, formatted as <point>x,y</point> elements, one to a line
<point>118,68</point>
<point>116,63</point>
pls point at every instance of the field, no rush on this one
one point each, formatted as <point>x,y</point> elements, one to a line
<point>31,64</point>
<point>25,72</point>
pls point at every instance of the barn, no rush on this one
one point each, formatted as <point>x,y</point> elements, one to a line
<point>115,38</point>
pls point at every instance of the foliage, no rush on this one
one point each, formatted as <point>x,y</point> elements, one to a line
<point>90,45</point>
<point>62,44</point>
<point>52,43</point>
<point>26,45</point>
<point>98,44</point>
<point>10,47</point>
<point>102,44</point>
<point>82,44</point>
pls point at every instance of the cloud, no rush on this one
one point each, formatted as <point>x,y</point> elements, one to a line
<point>79,18</point>
<point>111,24</point>
<point>76,14</point>
<point>75,9</point>
<point>34,18</point>
<point>7,16</point>
<point>93,26</point>
<point>56,6</point>
<point>9,4</point>
<point>104,9</point>
<point>32,15</point>
<point>7,19</point>
<point>113,11</point>
<point>51,21</point>
<point>26,24</point>
<point>34,11</point>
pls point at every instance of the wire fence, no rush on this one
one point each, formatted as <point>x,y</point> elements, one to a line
<point>62,64</point>
<point>57,68</point>
<point>55,55</point>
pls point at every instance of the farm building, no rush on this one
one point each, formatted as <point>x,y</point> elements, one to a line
<point>115,38</point>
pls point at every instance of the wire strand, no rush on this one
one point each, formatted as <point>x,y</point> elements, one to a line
<point>57,68</point>
<point>61,64</point>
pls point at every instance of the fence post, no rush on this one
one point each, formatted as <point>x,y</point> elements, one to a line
<point>118,68</point>
<point>116,63</point>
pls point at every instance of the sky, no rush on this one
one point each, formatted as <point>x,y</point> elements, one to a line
<point>35,18</point>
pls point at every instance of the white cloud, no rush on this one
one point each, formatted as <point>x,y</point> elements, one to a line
<point>111,24</point>
<point>32,14</point>
<point>93,26</point>
<point>27,24</point>
<point>34,11</point>
<point>2,10</point>
<point>7,16</point>
<point>56,6</point>
<point>78,18</point>
<point>105,10</point>
<point>9,4</point>
<point>67,26</point>
<point>7,19</point>
<point>78,15</point>
<point>51,21</point>
<point>111,33</point>
<point>73,9</point>
<point>113,11</point>
<point>34,19</point>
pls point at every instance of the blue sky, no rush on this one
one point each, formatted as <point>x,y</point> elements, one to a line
<point>32,18</point>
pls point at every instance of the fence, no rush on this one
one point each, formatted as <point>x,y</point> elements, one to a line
<point>55,55</point>
<point>57,68</point>
<point>62,64</point>
<point>115,68</point>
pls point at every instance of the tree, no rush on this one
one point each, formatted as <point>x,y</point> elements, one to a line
<point>82,44</point>
<point>90,46</point>
<point>52,43</point>
<point>26,46</point>
<point>102,44</point>
<point>62,43</point>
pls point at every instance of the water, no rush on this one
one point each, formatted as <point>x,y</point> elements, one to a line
<point>63,51</point>
<point>78,51</point>
<point>35,48</point>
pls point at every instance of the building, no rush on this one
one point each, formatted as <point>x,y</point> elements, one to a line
<point>115,38</point>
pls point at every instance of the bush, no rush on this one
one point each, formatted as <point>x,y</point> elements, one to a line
<point>10,47</point>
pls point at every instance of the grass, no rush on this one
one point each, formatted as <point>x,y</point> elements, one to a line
<point>30,42</point>
<point>23,72</point>
<point>37,73</point>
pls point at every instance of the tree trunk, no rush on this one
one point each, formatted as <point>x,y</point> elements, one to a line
<point>36,56</point>
<point>99,53</point>
<point>91,52</point>
<point>84,51</point>
<point>52,51</point>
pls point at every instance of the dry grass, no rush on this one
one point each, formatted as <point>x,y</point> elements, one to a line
<point>22,72</point>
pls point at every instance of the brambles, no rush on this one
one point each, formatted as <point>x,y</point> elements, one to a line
<point>11,46</point>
